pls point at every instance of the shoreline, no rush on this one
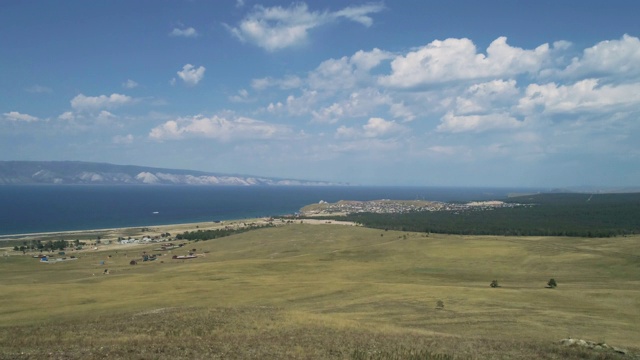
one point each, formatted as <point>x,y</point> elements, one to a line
<point>17,236</point>
<point>112,234</point>
<point>139,228</point>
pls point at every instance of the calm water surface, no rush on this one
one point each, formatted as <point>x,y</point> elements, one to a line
<point>47,208</point>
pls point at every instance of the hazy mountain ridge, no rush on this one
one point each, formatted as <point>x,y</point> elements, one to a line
<point>77,172</point>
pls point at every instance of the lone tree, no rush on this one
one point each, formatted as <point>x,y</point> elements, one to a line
<point>552,283</point>
<point>494,284</point>
<point>440,305</point>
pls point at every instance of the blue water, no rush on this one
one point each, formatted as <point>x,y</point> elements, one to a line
<point>48,208</point>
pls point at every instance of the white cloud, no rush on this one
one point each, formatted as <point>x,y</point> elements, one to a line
<point>457,59</point>
<point>487,97</point>
<point>360,13</point>
<point>300,105</point>
<point>275,107</point>
<point>583,96</point>
<point>347,72</point>
<point>218,128</point>
<point>19,117</point>
<point>358,104</point>
<point>607,58</point>
<point>123,139</point>
<point>88,103</point>
<point>331,74</point>
<point>239,3</point>
<point>288,82</point>
<point>188,32</point>
<point>477,123</point>
<point>191,75</point>
<point>276,28</point>
<point>377,127</point>
<point>105,116</point>
<point>241,96</point>
<point>367,60</point>
<point>374,128</point>
<point>129,84</point>
<point>400,110</point>
<point>67,116</point>
<point>39,89</point>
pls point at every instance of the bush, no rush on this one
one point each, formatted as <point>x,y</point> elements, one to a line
<point>552,283</point>
<point>494,284</point>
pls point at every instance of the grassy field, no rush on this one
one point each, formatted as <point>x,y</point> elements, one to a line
<point>326,291</point>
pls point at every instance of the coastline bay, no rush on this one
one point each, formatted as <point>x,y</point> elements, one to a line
<point>60,208</point>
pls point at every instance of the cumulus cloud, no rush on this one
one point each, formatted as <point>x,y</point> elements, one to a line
<point>583,96</point>
<point>374,128</point>
<point>276,28</point>
<point>188,32</point>
<point>333,74</point>
<point>19,117</point>
<point>400,110</point>
<point>487,96</point>
<point>88,103</point>
<point>343,73</point>
<point>105,116</point>
<point>67,116</point>
<point>129,84</point>
<point>300,105</point>
<point>346,72</point>
<point>358,104</point>
<point>218,128</point>
<point>191,75</point>
<point>458,59</point>
<point>608,58</point>
<point>477,123</point>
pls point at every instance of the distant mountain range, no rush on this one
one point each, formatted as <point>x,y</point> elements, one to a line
<point>77,172</point>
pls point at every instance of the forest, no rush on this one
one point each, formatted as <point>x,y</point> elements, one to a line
<point>553,214</point>
<point>199,235</point>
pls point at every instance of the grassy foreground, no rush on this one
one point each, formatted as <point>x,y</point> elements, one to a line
<point>328,292</point>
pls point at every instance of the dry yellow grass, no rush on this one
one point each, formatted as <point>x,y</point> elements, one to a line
<point>379,288</point>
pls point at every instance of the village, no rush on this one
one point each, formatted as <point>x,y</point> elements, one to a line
<point>342,207</point>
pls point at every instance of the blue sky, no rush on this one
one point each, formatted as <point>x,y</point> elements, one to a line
<point>462,93</point>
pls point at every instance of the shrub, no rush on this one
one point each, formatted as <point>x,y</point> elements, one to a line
<point>552,283</point>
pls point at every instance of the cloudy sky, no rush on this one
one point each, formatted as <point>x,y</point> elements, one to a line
<point>403,92</point>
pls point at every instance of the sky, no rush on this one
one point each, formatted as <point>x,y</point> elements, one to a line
<point>407,92</point>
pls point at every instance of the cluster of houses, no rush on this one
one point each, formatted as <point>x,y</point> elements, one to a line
<point>397,206</point>
<point>144,239</point>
